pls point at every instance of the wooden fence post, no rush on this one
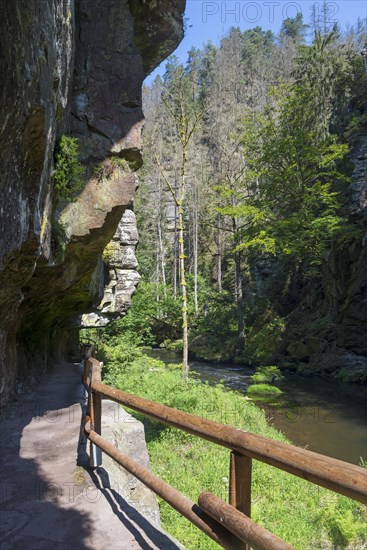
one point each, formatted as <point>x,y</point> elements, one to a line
<point>95,413</point>
<point>240,474</point>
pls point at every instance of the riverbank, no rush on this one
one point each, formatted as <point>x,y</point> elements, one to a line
<point>326,416</point>
<point>340,366</point>
<point>303,514</point>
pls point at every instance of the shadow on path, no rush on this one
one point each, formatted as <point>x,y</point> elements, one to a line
<point>34,511</point>
<point>49,497</point>
<point>133,520</point>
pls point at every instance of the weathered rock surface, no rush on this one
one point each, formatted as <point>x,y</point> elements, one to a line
<point>340,365</point>
<point>345,277</point>
<point>120,283</point>
<point>67,68</point>
<point>127,434</point>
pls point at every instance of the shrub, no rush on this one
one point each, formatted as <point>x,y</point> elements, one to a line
<point>265,337</point>
<point>154,315</point>
<point>68,170</point>
<point>265,375</point>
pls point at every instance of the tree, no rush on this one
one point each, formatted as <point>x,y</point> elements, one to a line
<point>322,71</point>
<point>294,210</point>
<point>232,195</point>
<point>179,99</point>
<point>258,209</point>
<point>243,74</point>
<point>293,28</point>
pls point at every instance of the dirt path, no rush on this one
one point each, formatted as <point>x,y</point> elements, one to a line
<point>48,500</point>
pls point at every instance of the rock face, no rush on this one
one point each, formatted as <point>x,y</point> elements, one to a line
<point>121,280</point>
<point>72,68</point>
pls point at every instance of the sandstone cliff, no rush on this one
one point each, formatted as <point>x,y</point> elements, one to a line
<point>75,68</point>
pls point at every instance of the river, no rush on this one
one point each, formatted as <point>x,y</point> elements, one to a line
<point>321,415</point>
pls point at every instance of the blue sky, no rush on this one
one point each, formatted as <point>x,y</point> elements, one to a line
<point>210,20</point>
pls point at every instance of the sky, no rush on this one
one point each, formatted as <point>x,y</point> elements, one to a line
<point>211,20</point>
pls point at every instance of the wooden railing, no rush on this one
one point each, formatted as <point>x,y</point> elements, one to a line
<point>88,347</point>
<point>227,524</point>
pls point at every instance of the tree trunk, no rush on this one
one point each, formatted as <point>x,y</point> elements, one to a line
<point>161,255</point>
<point>175,270</point>
<point>196,246</point>
<point>185,339</point>
<point>239,294</point>
<point>219,255</point>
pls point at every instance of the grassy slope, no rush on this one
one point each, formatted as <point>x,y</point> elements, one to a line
<point>299,512</point>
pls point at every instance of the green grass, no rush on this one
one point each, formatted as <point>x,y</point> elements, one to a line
<point>261,389</point>
<point>299,512</point>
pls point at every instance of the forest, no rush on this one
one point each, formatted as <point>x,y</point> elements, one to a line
<point>247,233</point>
<point>249,236</point>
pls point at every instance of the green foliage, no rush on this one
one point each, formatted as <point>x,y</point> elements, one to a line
<point>267,177</point>
<point>299,512</point>
<point>295,210</point>
<point>121,353</point>
<point>265,337</point>
<point>178,93</point>
<point>175,345</point>
<point>154,316</point>
<point>217,316</point>
<point>69,171</point>
<point>294,28</point>
<point>323,72</point>
<point>266,374</point>
<point>256,42</point>
<point>260,389</point>
<point>356,119</point>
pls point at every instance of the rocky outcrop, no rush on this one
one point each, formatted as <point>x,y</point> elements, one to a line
<point>121,278</point>
<point>341,365</point>
<point>67,68</point>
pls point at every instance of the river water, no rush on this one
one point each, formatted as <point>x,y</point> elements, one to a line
<point>320,415</point>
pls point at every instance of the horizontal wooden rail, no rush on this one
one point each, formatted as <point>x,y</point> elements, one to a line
<point>177,500</point>
<point>227,524</point>
<point>341,477</point>
<point>240,525</point>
